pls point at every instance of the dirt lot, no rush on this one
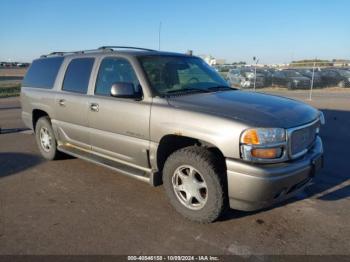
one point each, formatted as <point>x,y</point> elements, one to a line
<point>74,207</point>
<point>12,72</point>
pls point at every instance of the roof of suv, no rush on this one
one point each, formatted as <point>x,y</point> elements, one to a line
<point>132,51</point>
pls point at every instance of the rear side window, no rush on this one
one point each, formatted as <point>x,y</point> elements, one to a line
<point>78,75</point>
<point>42,73</point>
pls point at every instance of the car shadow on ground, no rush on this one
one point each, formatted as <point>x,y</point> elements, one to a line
<point>332,183</point>
<point>12,163</point>
<point>12,130</point>
<point>10,108</point>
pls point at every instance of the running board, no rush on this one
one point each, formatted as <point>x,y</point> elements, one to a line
<point>145,176</point>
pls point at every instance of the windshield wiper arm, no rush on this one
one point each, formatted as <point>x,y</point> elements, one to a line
<point>187,90</point>
<point>221,88</point>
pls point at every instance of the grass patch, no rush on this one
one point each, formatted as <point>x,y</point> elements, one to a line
<point>9,90</point>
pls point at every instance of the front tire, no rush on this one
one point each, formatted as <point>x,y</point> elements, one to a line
<point>194,184</point>
<point>45,139</point>
<point>341,84</point>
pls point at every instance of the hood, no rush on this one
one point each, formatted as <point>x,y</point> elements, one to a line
<point>253,109</point>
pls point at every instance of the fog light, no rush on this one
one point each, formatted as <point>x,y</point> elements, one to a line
<point>266,153</point>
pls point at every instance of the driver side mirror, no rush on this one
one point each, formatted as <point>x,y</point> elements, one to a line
<point>124,90</point>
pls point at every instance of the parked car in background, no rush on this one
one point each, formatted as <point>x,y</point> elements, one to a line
<point>245,77</point>
<point>317,77</point>
<point>336,77</point>
<point>268,74</point>
<point>291,79</point>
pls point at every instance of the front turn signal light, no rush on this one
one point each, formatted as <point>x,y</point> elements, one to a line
<point>266,153</point>
<point>250,137</point>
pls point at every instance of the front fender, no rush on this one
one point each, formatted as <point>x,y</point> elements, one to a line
<point>221,132</point>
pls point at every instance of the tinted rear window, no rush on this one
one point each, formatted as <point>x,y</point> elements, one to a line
<point>78,75</point>
<point>42,73</point>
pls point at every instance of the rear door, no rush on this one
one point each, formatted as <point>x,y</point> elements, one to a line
<point>72,103</point>
<point>119,126</point>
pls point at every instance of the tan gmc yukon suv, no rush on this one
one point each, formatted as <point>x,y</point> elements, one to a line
<point>168,118</point>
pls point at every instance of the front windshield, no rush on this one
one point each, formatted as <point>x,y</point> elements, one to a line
<point>309,72</point>
<point>181,74</point>
<point>344,73</point>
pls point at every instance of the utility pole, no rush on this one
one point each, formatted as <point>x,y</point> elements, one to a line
<point>256,63</point>
<point>312,80</point>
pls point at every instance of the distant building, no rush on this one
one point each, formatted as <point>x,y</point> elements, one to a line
<point>220,61</point>
<point>255,65</point>
<point>341,62</point>
<point>210,60</point>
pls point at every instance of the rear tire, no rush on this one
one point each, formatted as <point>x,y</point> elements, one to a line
<point>195,184</point>
<point>45,139</point>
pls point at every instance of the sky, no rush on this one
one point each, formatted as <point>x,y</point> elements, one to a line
<point>274,31</point>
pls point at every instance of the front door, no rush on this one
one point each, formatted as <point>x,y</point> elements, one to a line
<point>119,126</point>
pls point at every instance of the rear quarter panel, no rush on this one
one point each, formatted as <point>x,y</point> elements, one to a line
<point>36,98</point>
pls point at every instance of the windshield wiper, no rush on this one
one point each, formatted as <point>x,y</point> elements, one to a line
<point>197,90</point>
<point>187,90</point>
<point>220,88</point>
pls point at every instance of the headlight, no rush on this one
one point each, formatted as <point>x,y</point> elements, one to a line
<point>296,81</point>
<point>263,144</point>
<point>263,136</point>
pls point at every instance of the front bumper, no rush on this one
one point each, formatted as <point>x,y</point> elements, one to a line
<point>256,186</point>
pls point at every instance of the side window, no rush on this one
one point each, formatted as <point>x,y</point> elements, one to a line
<point>278,74</point>
<point>330,73</point>
<point>115,70</point>
<point>42,73</point>
<point>78,75</point>
<point>334,74</point>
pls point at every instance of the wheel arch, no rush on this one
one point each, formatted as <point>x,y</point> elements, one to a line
<point>170,143</point>
<point>36,115</point>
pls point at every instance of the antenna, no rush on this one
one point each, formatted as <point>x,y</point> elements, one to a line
<point>159,31</point>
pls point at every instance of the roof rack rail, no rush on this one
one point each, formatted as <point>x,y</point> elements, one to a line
<point>125,47</point>
<point>102,48</point>
<point>59,53</point>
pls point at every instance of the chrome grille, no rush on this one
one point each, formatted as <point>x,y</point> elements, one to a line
<point>302,138</point>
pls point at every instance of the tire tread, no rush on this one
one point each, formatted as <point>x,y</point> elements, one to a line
<point>205,160</point>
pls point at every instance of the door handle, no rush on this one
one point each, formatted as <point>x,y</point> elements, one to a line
<point>62,102</point>
<point>94,107</point>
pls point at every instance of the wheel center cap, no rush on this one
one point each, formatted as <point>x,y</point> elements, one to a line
<point>188,186</point>
<point>46,139</point>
